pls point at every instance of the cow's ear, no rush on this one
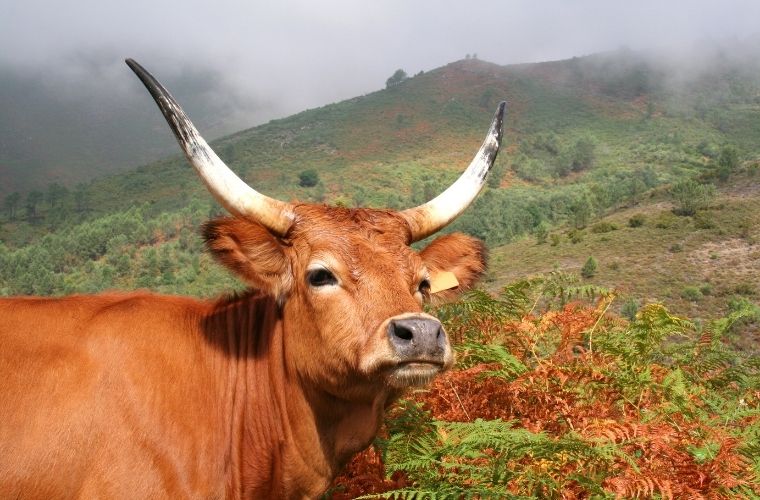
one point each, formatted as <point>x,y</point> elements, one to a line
<point>456,253</point>
<point>251,252</point>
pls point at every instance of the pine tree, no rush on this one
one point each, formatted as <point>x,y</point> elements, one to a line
<point>589,268</point>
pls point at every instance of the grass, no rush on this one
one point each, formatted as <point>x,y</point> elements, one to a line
<point>641,261</point>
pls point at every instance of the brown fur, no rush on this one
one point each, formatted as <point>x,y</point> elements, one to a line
<point>264,395</point>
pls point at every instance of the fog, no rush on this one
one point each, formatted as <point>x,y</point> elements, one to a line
<point>270,59</point>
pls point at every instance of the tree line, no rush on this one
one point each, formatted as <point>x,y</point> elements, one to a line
<point>56,199</point>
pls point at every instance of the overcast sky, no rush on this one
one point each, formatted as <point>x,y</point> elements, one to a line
<point>287,55</point>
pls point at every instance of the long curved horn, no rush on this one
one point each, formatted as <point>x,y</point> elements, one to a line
<point>228,189</point>
<point>426,219</point>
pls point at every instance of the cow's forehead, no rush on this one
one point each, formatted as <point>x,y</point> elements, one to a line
<point>315,221</point>
<point>351,234</point>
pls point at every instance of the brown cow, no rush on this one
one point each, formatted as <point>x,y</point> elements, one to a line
<point>262,395</point>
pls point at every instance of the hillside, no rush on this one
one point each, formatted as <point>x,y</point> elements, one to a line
<point>586,138</point>
<point>696,265</point>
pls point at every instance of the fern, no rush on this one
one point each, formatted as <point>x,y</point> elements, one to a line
<point>559,288</point>
<point>472,353</point>
<point>660,407</point>
<point>480,459</point>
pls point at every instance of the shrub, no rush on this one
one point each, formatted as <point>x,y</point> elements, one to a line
<point>753,169</point>
<point>745,289</point>
<point>636,220</point>
<point>629,309</point>
<point>691,293</point>
<point>582,155</point>
<point>728,162</point>
<point>702,220</point>
<point>341,201</point>
<point>675,248</point>
<point>542,232</point>
<point>742,304</point>
<point>603,227</point>
<point>589,268</point>
<point>555,239</point>
<point>690,196</point>
<point>308,178</point>
<point>667,221</point>
<point>575,235</point>
<point>708,149</point>
<point>581,210</point>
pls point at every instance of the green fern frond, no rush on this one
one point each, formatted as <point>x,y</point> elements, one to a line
<point>473,353</point>
<point>563,287</point>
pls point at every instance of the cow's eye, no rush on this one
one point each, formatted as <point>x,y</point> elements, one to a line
<point>321,277</point>
<point>424,290</point>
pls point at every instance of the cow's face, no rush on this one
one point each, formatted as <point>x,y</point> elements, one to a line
<point>352,292</point>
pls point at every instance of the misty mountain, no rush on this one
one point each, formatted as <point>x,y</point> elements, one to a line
<point>90,116</point>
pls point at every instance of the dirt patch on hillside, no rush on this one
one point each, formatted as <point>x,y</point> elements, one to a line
<point>746,190</point>
<point>734,258</point>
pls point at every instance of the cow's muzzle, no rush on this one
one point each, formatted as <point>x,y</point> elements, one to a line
<point>421,348</point>
<point>418,338</point>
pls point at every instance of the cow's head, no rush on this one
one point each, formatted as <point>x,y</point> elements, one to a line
<point>350,287</point>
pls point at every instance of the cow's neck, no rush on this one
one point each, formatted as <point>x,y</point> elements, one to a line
<point>285,433</point>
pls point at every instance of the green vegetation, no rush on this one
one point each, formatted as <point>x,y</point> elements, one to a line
<point>629,309</point>
<point>558,399</point>
<point>728,162</point>
<point>397,77</point>
<point>126,250</point>
<point>308,178</point>
<point>542,233</point>
<point>691,196</point>
<point>691,293</point>
<point>589,268</point>
<point>603,227</point>
<point>656,260</point>
<point>636,220</point>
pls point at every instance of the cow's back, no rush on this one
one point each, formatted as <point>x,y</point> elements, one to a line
<point>101,395</point>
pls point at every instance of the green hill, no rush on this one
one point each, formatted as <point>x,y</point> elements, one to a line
<point>586,138</point>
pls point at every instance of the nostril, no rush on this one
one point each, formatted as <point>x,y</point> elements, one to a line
<point>402,332</point>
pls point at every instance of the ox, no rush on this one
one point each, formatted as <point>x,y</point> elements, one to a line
<point>262,395</point>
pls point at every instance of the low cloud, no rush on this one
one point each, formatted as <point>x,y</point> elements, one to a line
<point>273,59</point>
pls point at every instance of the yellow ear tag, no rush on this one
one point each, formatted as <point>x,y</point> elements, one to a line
<point>442,280</point>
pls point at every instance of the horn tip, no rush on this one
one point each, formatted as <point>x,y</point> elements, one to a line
<point>138,70</point>
<point>131,63</point>
<point>498,120</point>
